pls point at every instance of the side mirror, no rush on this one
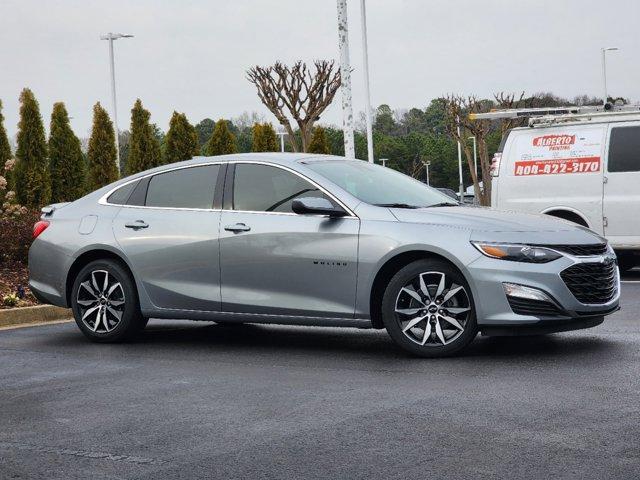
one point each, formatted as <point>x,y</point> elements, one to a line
<point>316,206</point>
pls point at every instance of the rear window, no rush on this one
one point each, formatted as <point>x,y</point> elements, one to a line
<point>184,188</point>
<point>121,195</point>
<point>624,149</point>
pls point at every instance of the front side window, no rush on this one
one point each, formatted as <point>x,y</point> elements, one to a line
<point>624,149</point>
<point>184,188</point>
<point>378,185</point>
<point>262,188</point>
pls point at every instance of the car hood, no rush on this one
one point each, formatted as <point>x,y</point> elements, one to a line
<point>511,226</point>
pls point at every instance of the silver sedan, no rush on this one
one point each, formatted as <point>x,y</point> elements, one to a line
<point>314,240</point>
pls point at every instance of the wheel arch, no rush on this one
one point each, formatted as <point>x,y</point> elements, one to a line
<point>392,264</point>
<point>89,255</point>
<point>567,213</point>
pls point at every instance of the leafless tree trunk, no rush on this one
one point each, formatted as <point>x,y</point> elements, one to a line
<point>296,92</point>
<point>458,109</point>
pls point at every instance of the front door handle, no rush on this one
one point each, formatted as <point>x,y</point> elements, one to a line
<point>237,227</point>
<point>137,225</point>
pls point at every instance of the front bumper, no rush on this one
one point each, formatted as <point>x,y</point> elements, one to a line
<point>493,308</point>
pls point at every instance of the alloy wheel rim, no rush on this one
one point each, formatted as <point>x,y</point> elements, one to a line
<point>432,309</point>
<point>101,301</point>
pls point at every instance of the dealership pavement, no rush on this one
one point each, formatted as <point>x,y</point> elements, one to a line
<point>200,400</point>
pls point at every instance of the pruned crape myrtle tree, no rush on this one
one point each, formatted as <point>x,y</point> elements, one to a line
<point>66,163</point>
<point>31,173</point>
<point>222,141</point>
<point>263,138</point>
<point>319,143</point>
<point>458,109</point>
<point>296,94</point>
<point>102,150</point>
<point>144,149</point>
<point>181,141</point>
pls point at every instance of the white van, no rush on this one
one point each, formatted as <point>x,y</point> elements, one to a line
<point>582,168</point>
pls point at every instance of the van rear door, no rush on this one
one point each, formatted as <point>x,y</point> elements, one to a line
<point>622,187</point>
<point>546,170</point>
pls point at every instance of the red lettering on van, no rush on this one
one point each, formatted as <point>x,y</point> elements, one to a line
<point>554,140</point>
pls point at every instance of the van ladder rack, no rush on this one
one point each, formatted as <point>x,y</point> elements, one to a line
<point>532,113</point>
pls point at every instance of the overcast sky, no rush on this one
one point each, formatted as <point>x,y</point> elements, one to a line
<point>191,55</point>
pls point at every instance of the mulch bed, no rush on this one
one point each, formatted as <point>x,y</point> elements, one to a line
<point>12,277</point>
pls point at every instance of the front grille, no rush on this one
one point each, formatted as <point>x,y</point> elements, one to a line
<point>581,250</point>
<point>592,282</point>
<point>536,308</point>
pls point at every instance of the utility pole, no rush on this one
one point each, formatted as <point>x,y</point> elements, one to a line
<point>365,61</point>
<point>604,71</point>
<point>111,37</point>
<point>345,76</point>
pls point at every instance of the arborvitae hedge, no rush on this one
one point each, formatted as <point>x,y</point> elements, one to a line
<point>319,142</point>
<point>5,148</point>
<point>102,150</point>
<point>264,138</point>
<point>66,163</point>
<point>181,140</point>
<point>144,149</point>
<point>222,141</point>
<point>31,173</point>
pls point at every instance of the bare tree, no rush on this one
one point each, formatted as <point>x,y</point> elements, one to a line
<point>296,92</point>
<point>457,112</point>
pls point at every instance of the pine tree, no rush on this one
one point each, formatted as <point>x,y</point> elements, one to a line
<point>181,140</point>
<point>102,150</point>
<point>144,149</point>
<point>31,173</point>
<point>222,141</point>
<point>264,138</point>
<point>319,143</point>
<point>66,162</point>
<point>5,150</point>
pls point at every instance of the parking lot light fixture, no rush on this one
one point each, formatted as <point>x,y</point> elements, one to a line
<point>111,37</point>
<point>604,71</point>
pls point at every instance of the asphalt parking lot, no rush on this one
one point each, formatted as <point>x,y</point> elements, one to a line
<point>201,400</point>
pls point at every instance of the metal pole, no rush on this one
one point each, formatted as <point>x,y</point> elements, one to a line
<point>427,165</point>
<point>365,61</point>
<point>113,98</point>
<point>460,161</point>
<point>345,74</point>
<point>384,161</point>
<point>281,135</point>
<point>604,75</point>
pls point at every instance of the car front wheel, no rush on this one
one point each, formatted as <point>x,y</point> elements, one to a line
<point>428,309</point>
<point>105,302</point>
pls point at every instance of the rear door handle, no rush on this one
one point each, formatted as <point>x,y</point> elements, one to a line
<point>237,227</point>
<point>137,225</point>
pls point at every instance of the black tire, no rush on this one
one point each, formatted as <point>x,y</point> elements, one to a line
<point>123,300</point>
<point>429,268</point>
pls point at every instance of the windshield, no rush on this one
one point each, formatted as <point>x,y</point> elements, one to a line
<point>379,185</point>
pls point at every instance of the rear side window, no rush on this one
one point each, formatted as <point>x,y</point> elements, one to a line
<point>121,195</point>
<point>184,188</point>
<point>262,188</point>
<point>624,149</point>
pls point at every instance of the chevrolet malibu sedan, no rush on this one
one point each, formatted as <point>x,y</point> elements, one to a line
<point>314,240</point>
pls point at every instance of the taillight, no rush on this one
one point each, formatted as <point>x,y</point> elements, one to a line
<point>495,164</point>
<point>39,227</point>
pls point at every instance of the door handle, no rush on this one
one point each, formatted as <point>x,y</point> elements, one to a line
<point>137,225</point>
<point>237,227</point>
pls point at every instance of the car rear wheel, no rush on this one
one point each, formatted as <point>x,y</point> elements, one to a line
<point>105,302</point>
<point>428,309</point>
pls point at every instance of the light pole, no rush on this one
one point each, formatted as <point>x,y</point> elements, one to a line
<point>365,62</point>
<point>426,165</point>
<point>281,135</point>
<point>345,76</point>
<point>384,161</point>
<point>111,37</point>
<point>475,155</point>
<point>460,161</point>
<point>604,71</point>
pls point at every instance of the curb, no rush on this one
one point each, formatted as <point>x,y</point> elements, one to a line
<point>38,314</point>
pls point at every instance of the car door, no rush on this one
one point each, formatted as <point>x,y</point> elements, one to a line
<point>274,261</point>
<point>170,236</point>
<point>621,192</point>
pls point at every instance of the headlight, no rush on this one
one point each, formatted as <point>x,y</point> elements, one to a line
<point>517,253</point>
